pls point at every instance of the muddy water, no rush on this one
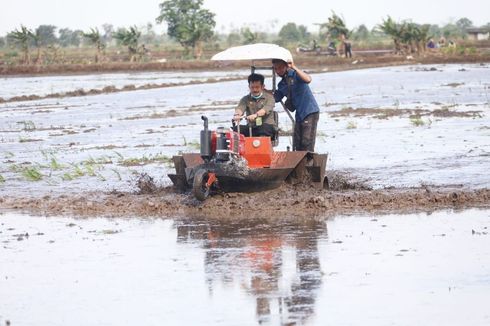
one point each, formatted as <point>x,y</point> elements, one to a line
<point>429,268</point>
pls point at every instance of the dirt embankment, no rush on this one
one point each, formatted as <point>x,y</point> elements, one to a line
<point>306,61</point>
<point>344,197</point>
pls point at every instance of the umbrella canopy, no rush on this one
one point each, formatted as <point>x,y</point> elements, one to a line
<point>259,51</point>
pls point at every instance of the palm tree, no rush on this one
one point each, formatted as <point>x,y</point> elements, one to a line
<point>23,38</point>
<point>94,37</point>
<point>130,38</point>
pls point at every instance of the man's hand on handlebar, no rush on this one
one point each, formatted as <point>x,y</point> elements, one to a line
<point>252,117</point>
<point>237,117</point>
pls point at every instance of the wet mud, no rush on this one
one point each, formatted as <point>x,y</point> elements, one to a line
<point>344,196</point>
<point>112,89</point>
<point>385,113</point>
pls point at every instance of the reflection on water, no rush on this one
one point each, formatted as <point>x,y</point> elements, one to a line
<point>277,264</point>
<point>415,269</point>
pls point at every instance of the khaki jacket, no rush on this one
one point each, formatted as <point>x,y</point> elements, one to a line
<point>250,105</point>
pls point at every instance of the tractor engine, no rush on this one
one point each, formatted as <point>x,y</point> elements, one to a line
<point>220,144</point>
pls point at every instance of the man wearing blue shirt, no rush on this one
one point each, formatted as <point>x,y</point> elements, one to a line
<point>294,86</point>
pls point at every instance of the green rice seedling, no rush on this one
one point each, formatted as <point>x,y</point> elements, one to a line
<point>67,177</point>
<point>162,158</point>
<point>48,153</point>
<point>351,125</point>
<point>132,161</point>
<point>104,160</point>
<point>15,168</point>
<point>117,173</point>
<point>417,121</point>
<point>55,165</point>
<point>27,125</point>
<point>2,179</point>
<point>119,155</point>
<point>101,177</point>
<point>146,159</point>
<point>77,171</point>
<point>28,140</point>
<point>89,161</point>
<point>89,168</point>
<point>193,144</point>
<point>32,174</point>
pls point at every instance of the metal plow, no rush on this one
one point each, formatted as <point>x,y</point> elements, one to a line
<point>236,176</point>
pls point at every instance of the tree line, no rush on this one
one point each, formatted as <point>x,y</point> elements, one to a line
<point>193,27</point>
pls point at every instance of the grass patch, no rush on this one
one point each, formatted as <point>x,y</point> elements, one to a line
<point>2,179</point>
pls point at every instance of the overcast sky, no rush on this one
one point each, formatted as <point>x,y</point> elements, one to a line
<point>268,15</point>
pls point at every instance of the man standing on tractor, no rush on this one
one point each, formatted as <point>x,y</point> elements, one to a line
<point>294,86</point>
<point>258,106</point>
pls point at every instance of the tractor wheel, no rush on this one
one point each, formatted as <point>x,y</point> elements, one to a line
<point>200,188</point>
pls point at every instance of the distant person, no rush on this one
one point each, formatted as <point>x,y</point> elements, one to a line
<point>332,48</point>
<point>442,42</point>
<point>294,86</point>
<point>347,46</point>
<point>257,106</point>
<point>431,44</point>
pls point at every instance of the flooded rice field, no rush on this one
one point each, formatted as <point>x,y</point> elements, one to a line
<point>11,87</point>
<point>392,241</point>
<point>426,268</point>
<point>391,127</point>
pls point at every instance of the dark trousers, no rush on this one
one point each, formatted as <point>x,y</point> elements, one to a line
<point>305,133</point>
<point>265,130</point>
<point>348,50</point>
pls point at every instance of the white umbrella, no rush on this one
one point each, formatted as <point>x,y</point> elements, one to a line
<point>259,51</point>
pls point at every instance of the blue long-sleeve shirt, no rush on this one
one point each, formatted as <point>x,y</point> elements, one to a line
<point>302,97</point>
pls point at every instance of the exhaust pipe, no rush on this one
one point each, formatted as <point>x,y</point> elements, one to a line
<point>205,141</point>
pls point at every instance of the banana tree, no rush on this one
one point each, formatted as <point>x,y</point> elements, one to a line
<point>335,28</point>
<point>130,38</point>
<point>23,38</point>
<point>409,35</point>
<point>95,39</point>
<point>392,29</point>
